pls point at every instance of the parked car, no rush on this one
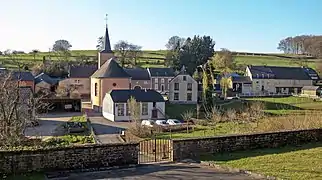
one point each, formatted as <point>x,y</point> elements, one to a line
<point>161,122</point>
<point>174,122</point>
<point>149,123</point>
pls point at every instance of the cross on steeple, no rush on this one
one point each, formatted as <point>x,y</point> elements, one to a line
<point>106,20</point>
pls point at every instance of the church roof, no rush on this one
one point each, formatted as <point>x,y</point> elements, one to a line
<point>107,43</point>
<point>110,69</point>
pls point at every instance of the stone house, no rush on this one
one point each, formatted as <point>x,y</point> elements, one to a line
<point>160,78</point>
<point>79,80</point>
<point>269,80</point>
<point>44,82</point>
<point>140,78</point>
<point>115,106</point>
<point>183,89</point>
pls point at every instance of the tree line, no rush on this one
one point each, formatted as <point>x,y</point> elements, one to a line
<point>305,44</point>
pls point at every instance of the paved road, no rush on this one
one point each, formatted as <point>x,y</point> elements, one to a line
<point>108,131</point>
<point>160,172</point>
<point>48,123</point>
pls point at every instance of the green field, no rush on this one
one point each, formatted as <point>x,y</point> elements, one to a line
<point>294,163</point>
<point>281,114</point>
<point>153,59</point>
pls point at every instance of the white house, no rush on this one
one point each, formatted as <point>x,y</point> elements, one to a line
<point>183,89</point>
<point>115,107</point>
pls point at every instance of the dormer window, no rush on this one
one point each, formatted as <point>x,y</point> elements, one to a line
<point>257,76</point>
<point>268,76</point>
<point>263,75</point>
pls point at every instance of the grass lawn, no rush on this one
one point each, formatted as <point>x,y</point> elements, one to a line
<point>287,105</point>
<point>205,131</point>
<point>33,176</point>
<point>295,163</point>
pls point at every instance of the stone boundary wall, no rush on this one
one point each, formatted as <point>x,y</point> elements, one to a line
<point>69,158</point>
<point>192,148</point>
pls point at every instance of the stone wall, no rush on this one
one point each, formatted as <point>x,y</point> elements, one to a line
<point>192,148</point>
<point>67,158</point>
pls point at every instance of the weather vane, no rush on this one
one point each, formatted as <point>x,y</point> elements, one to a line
<point>106,19</point>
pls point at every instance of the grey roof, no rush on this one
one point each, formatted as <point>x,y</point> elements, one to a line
<point>314,88</point>
<point>241,79</point>
<point>140,95</point>
<point>110,69</point>
<point>44,77</point>
<point>138,73</point>
<point>166,72</point>
<point>23,76</point>
<point>107,43</point>
<point>82,71</point>
<point>275,72</point>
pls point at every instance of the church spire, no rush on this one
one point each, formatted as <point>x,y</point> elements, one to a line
<point>107,43</point>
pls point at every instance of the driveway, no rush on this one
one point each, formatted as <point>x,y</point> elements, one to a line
<point>107,131</point>
<point>48,123</point>
<point>160,172</point>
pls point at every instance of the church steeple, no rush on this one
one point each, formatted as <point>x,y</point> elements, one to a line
<point>107,43</point>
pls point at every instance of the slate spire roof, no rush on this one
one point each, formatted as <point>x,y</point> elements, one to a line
<point>110,69</point>
<point>107,43</point>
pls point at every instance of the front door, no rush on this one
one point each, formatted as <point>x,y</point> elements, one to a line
<point>154,113</point>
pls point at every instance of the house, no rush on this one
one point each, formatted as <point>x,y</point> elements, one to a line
<point>44,82</point>
<point>238,84</point>
<point>26,79</point>
<point>108,77</point>
<point>183,89</point>
<point>79,79</point>
<point>140,78</point>
<point>269,80</point>
<point>311,91</point>
<point>115,107</point>
<point>160,78</point>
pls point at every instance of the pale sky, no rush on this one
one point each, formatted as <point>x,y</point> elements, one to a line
<point>239,25</point>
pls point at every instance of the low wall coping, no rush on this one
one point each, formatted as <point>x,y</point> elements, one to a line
<point>72,147</point>
<point>244,135</point>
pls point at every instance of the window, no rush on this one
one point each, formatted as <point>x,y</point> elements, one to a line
<point>176,86</point>
<point>156,86</point>
<point>120,109</point>
<point>263,75</point>
<point>95,89</point>
<point>184,78</point>
<point>144,109</point>
<point>76,80</point>
<point>189,96</point>
<point>156,80</point>
<point>176,96</point>
<point>162,80</point>
<point>146,82</point>
<point>189,86</point>
<point>114,84</point>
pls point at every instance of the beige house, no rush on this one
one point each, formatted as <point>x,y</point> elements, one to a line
<point>269,80</point>
<point>183,89</point>
<point>78,80</point>
<point>160,79</point>
<point>115,106</point>
<point>140,78</point>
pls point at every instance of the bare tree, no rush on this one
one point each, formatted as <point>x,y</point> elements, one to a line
<point>100,43</point>
<point>35,52</point>
<point>134,110</point>
<point>134,53</point>
<point>122,47</point>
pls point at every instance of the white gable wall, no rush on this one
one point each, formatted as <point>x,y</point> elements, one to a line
<point>108,108</point>
<point>183,90</point>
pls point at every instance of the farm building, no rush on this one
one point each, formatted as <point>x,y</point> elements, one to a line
<point>311,91</point>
